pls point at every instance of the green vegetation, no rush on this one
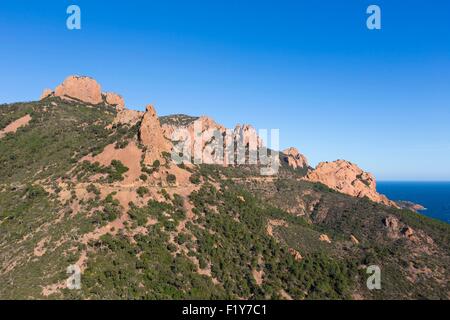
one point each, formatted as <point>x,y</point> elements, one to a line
<point>177,119</point>
<point>54,139</point>
<point>142,191</point>
<point>240,227</point>
<point>195,178</point>
<point>35,191</point>
<point>50,199</point>
<point>156,164</point>
<point>114,172</point>
<point>171,179</point>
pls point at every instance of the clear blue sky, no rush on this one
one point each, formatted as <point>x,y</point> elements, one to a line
<point>335,89</point>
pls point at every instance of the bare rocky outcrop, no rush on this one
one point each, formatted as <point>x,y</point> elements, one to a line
<point>46,93</point>
<point>324,238</point>
<point>84,89</point>
<point>114,99</point>
<point>294,158</point>
<point>348,178</point>
<point>199,130</point>
<point>247,136</point>
<point>391,223</point>
<point>396,229</point>
<point>297,256</point>
<point>152,136</point>
<point>408,232</point>
<point>202,123</point>
<point>354,239</point>
<point>202,136</point>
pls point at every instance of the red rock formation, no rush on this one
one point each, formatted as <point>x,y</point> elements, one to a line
<point>392,225</point>
<point>114,99</point>
<point>81,88</point>
<point>200,137</point>
<point>247,135</point>
<point>294,158</point>
<point>84,89</point>
<point>186,132</point>
<point>152,137</point>
<point>408,232</point>
<point>196,137</point>
<point>348,178</point>
<point>340,175</point>
<point>396,229</point>
<point>297,256</point>
<point>46,93</point>
<point>325,238</point>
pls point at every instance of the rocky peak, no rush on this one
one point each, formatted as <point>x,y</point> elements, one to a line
<point>84,89</point>
<point>80,88</point>
<point>151,112</point>
<point>348,178</point>
<point>152,136</point>
<point>209,123</point>
<point>294,158</point>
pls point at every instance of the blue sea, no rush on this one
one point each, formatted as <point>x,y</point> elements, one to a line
<point>435,196</point>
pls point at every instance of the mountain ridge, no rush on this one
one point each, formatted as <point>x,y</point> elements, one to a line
<point>95,186</point>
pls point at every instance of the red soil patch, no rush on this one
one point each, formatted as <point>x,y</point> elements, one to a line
<point>39,250</point>
<point>53,288</point>
<point>130,156</point>
<point>12,127</point>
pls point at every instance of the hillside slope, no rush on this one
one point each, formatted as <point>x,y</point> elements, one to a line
<point>76,187</point>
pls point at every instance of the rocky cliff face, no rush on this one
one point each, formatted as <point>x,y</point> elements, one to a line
<point>202,135</point>
<point>247,136</point>
<point>195,135</point>
<point>348,178</point>
<point>294,159</point>
<point>152,136</point>
<point>84,89</point>
<point>174,126</point>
